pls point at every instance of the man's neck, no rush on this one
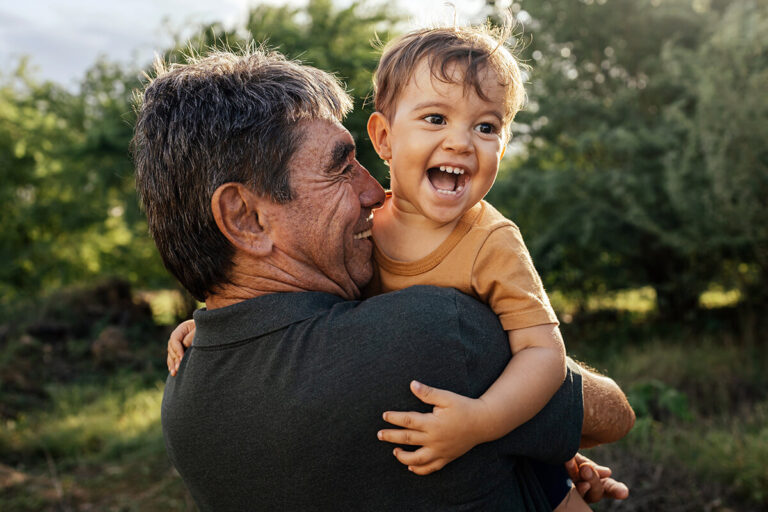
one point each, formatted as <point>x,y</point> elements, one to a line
<point>251,278</point>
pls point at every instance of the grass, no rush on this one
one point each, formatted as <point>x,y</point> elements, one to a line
<point>701,438</point>
<point>88,437</point>
<point>95,421</point>
<point>98,445</point>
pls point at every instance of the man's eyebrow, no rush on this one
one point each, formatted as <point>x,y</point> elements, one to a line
<point>340,155</point>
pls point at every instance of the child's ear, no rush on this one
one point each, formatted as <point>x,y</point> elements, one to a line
<point>378,131</point>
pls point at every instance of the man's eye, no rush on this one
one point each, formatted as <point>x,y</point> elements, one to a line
<point>486,128</point>
<point>434,119</point>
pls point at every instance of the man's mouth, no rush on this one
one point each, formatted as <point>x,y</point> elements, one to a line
<point>366,232</point>
<point>363,234</point>
<point>447,179</point>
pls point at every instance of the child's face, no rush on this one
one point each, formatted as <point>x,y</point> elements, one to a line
<point>443,144</point>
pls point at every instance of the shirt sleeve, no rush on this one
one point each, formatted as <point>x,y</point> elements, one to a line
<point>504,277</point>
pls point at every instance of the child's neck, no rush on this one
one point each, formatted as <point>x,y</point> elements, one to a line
<point>403,234</point>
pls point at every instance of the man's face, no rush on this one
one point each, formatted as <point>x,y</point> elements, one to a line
<point>326,228</point>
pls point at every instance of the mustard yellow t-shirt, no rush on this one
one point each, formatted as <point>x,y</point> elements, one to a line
<point>485,257</point>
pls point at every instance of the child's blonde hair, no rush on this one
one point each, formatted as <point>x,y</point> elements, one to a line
<point>473,48</point>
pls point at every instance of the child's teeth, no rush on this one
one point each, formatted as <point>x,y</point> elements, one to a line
<point>451,170</point>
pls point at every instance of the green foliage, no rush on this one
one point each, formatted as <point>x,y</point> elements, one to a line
<point>64,159</point>
<point>321,34</point>
<point>66,171</point>
<point>90,421</point>
<point>699,441</point>
<point>641,157</point>
<point>655,399</point>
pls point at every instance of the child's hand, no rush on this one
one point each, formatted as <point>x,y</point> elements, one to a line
<point>452,428</point>
<point>180,340</point>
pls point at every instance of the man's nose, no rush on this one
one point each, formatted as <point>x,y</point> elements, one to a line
<point>458,139</point>
<point>371,193</point>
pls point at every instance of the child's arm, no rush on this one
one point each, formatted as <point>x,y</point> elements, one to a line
<point>458,423</point>
<point>528,382</point>
<point>180,340</point>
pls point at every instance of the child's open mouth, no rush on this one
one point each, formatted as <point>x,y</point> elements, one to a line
<point>446,179</point>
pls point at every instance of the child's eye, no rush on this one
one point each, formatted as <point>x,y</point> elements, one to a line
<point>435,119</point>
<point>486,128</point>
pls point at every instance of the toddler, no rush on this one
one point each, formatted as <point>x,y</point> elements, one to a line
<point>444,101</point>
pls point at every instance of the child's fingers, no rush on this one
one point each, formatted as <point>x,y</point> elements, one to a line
<point>402,436</point>
<point>410,420</point>
<point>182,330</point>
<point>171,361</point>
<point>420,457</point>
<point>427,469</point>
<point>189,338</point>
<point>432,396</point>
<point>184,327</point>
<point>175,348</point>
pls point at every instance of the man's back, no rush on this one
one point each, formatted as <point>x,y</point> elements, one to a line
<point>277,404</point>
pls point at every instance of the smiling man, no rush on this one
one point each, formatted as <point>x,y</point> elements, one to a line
<point>259,207</point>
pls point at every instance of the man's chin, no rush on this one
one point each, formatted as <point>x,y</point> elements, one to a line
<point>362,276</point>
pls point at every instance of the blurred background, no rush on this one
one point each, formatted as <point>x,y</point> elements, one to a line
<point>638,174</point>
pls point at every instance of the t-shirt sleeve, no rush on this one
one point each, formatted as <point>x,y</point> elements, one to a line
<point>503,276</point>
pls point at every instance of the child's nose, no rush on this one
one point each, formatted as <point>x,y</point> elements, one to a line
<point>458,140</point>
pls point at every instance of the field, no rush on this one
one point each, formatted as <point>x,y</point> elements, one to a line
<point>82,378</point>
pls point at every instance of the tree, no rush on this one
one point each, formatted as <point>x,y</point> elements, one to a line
<point>608,184</point>
<point>67,173</point>
<point>337,40</point>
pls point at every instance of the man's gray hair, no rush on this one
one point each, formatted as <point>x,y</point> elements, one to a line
<point>213,120</point>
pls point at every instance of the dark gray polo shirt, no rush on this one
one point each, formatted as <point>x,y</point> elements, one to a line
<point>277,404</point>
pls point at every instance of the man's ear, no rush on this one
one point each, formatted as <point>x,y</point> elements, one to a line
<point>236,211</point>
<point>378,131</point>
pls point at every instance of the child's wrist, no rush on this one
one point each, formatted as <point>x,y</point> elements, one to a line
<point>487,424</point>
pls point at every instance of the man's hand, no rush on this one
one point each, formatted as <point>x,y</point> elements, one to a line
<point>452,428</point>
<point>594,482</point>
<point>180,340</point>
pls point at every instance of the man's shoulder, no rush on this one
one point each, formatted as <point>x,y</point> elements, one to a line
<point>421,304</point>
<point>398,314</point>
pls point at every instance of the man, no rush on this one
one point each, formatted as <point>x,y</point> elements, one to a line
<point>259,207</point>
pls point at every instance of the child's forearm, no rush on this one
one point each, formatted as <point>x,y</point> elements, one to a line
<point>534,373</point>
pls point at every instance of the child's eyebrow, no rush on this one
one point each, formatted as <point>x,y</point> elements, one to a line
<point>440,104</point>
